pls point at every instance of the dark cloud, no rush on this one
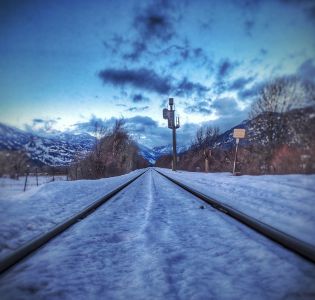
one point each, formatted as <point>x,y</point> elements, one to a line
<point>248,26</point>
<point>225,106</point>
<point>251,5</point>
<point>38,121</point>
<point>137,109</point>
<point>240,83</point>
<point>224,68</point>
<point>156,21</point>
<point>185,53</point>
<point>137,49</point>
<point>187,88</point>
<point>201,107</point>
<point>136,98</point>
<point>308,6</point>
<point>149,80</point>
<point>145,79</point>
<point>263,51</point>
<point>115,43</point>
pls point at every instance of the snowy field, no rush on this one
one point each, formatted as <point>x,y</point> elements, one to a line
<point>152,241</point>
<point>286,202</point>
<point>24,215</point>
<point>11,187</point>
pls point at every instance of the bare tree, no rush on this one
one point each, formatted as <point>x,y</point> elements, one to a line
<point>13,163</point>
<point>272,121</point>
<point>114,153</point>
<point>205,138</point>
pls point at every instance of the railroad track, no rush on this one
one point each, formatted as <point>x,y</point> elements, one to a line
<point>297,246</point>
<point>27,249</point>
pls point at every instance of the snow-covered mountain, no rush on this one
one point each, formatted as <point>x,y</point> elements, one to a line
<point>58,149</point>
<point>61,149</point>
<point>153,154</point>
<point>302,126</point>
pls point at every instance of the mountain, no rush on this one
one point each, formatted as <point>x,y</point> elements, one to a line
<point>293,127</point>
<point>61,149</point>
<point>156,152</point>
<point>58,149</point>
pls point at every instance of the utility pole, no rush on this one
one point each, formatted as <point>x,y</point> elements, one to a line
<point>173,123</point>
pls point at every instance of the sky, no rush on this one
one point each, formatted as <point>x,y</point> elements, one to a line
<point>65,65</point>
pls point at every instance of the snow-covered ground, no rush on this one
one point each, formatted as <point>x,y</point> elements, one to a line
<point>24,215</point>
<point>286,202</point>
<point>152,241</point>
<point>11,187</point>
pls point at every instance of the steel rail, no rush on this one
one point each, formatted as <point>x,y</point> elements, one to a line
<point>31,246</point>
<point>302,248</point>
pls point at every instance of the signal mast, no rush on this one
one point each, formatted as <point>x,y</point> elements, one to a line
<point>173,123</point>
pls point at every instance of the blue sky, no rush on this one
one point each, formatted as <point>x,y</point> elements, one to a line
<point>65,64</point>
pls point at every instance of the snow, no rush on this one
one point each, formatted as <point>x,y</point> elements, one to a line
<point>286,202</point>
<point>24,215</point>
<point>152,241</point>
<point>12,187</point>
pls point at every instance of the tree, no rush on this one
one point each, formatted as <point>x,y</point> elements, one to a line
<point>205,138</point>
<point>272,120</point>
<point>114,153</point>
<point>13,163</point>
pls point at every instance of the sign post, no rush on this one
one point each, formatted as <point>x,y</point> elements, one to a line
<point>173,123</point>
<point>237,134</point>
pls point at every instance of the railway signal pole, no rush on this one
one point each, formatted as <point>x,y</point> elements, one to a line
<point>173,123</point>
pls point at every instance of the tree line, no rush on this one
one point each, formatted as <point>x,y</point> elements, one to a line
<point>114,153</point>
<point>279,139</point>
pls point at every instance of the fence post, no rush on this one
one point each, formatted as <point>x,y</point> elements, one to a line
<point>25,183</point>
<point>36,177</point>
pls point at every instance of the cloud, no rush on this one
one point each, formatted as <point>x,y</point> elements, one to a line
<point>149,80</point>
<point>186,87</point>
<point>137,49</point>
<point>145,121</point>
<point>250,92</point>
<point>136,98</point>
<point>308,6</point>
<point>248,26</point>
<point>201,107</point>
<point>225,106</point>
<point>42,127</point>
<point>93,123</point>
<point>38,121</point>
<point>263,51</point>
<point>156,21</point>
<point>251,5</point>
<point>224,68</point>
<point>145,79</point>
<point>240,83</point>
<point>137,109</point>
